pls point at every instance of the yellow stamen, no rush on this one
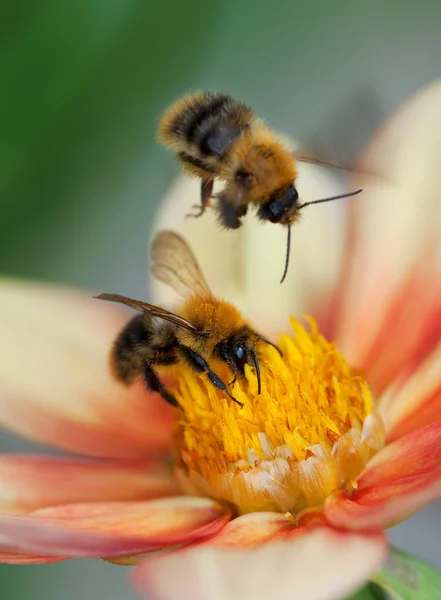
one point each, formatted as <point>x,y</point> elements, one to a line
<point>309,432</point>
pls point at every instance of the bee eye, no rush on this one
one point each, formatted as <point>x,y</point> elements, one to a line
<point>240,353</point>
<point>280,206</point>
<point>275,211</point>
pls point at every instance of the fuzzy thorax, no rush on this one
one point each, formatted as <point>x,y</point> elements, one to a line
<point>310,431</point>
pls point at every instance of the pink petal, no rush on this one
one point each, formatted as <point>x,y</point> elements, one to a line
<point>240,264</point>
<point>390,316</point>
<point>27,559</point>
<point>29,482</point>
<point>247,531</point>
<point>251,530</point>
<point>323,565</point>
<point>112,529</point>
<point>256,528</point>
<point>397,482</point>
<point>414,402</point>
<point>55,384</point>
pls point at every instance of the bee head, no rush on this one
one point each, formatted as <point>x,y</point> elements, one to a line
<point>238,350</point>
<point>281,207</point>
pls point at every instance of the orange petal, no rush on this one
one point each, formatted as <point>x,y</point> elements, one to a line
<point>112,529</point>
<point>55,384</point>
<point>251,530</point>
<point>397,482</point>
<point>29,482</point>
<point>254,529</point>
<point>323,565</point>
<point>240,264</point>
<point>27,559</point>
<point>415,403</point>
<point>390,317</point>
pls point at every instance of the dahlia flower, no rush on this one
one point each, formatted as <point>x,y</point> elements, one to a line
<point>294,490</point>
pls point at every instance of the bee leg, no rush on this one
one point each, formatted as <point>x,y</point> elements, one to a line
<point>206,191</point>
<point>196,362</point>
<point>229,215</point>
<point>154,383</point>
<point>225,355</point>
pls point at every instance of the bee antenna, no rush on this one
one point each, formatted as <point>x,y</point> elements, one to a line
<point>270,344</point>
<point>288,249</point>
<point>256,364</point>
<point>329,199</point>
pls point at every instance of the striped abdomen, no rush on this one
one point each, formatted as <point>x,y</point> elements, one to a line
<point>202,127</point>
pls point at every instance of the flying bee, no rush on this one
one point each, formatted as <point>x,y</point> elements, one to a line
<point>204,329</point>
<point>218,138</point>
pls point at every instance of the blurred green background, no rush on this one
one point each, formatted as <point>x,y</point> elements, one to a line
<point>83,83</point>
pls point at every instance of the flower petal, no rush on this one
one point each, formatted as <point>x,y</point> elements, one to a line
<point>27,559</point>
<point>256,528</point>
<point>414,402</point>
<point>240,264</point>
<point>247,530</point>
<point>55,384</point>
<point>112,529</point>
<point>251,530</point>
<point>390,316</point>
<point>397,482</point>
<point>29,482</point>
<point>323,565</point>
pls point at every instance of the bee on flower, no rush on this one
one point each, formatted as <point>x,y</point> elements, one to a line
<point>289,487</point>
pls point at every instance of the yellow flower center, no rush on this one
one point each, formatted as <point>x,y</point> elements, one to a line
<point>309,432</point>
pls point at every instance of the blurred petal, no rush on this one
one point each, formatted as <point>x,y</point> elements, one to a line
<point>55,384</point>
<point>239,265</point>
<point>27,559</point>
<point>323,565</point>
<point>251,530</point>
<point>29,482</point>
<point>390,316</point>
<point>397,482</point>
<point>114,528</point>
<point>255,528</point>
<point>417,402</point>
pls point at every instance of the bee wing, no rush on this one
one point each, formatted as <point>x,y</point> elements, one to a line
<point>343,136</point>
<point>321,162</point>
<point>173,263</point>
<point>151,309</point>
<point>314,160</point>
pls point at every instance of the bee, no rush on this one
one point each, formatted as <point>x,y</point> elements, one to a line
<point>204,328</point>
<point>216,137</point>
